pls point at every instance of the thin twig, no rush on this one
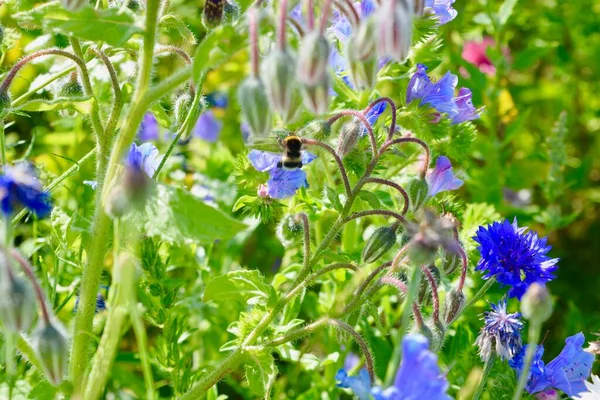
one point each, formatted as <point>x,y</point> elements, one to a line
<point>399,188</point>
<point>338,160</point>
<point>421,143</point>
<point>364,347</point>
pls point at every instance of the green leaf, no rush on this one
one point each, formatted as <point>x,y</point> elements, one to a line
<point>161,115</point>
<point>170,23</point>
<point>260,373</point>
<point>332,196</point>
<point>82,105</point>
<point>112,25</point>
<point>176,216</point>
<point>370,198</point>
<point>243,286</point>
<point>506,10</point>
<point>218,45</point>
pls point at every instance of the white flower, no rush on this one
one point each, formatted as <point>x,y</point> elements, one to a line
<point>593,392</point>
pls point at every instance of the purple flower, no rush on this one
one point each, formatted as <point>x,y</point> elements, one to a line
<point>443,9</point>
<point>148,128</point>
<point>439,95</point>
<point>501,333</point>
<point>465,109</point>
<point>567,372</point>
<point>342,28</point>
<point>143,158</point>
<point>217,99</point>
<point>418,377</point>
<point>340,68</point>
<point>282,182</point>
<point>245,130</point>
<point>442,178</point>
<point>208,127</point>
<point>20,187</point>
<point>373,115</point>
<point>515,257</point>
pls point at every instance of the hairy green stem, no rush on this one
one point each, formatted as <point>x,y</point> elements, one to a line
<point>533,338</point>
<point>486,372</point>
<point>364,348</point>
<point>142,341</point>
<point>483,290</point>
<point>115,113</point>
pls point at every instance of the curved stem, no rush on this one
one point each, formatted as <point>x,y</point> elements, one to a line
<point>434,294</point>
<point>488,284</point>
<point>421,143</point>
<point>115,113</point>
<point>363,285</point>
<point>347,8</point>
<point>366,213</point>
<point>394,111</point>
<point>39,293</point>
<point>338,160</point>
<point>253,32</point>
<point>398,284</point>
<point>464,269</point>
<point>394,185</point>
<point>486,372</point>
<point>282,25</point>
<point>364,348</point>
<point>293,335</point>
<point>297,25</point>
<point>363,119</point>
<point>306,229</point>
<point>174,50</point>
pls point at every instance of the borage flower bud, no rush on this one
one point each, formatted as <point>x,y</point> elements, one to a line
<point>17,302</point>
<point>453,305</point>
<point>71,89</point>
<point>380,242</point>
<point>50,343</point>
<point>394,28</point>
<point>313,59</point>
<point>316,98</point>
<point>362,56</point>
<point>536,304</point>
<point>4,101</point>
<point>349,134</point>
<point>417,193</point>
<point>279,74</point>
<point>183,105</point>
<point>450,262</point>
<point>318,129</point>
<point>212,15</point>
<point>73,5</point>
<point>438,334</point>
<point>290,229</point>
<point>254,103</point>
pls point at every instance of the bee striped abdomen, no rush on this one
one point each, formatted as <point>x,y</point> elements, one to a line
<point>292,156</point>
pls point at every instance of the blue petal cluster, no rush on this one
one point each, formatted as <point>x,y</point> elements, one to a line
<point>148,129</point>
<point>515,257</point>
<point>567,372</point>
<point>143,158</point>
<point>20,187</point>
<point>442,177</point>
<point>418,377</point>
<point>282,182</point>
<point>440,95</point>
<point>501,333</point>
<point>443,9</point>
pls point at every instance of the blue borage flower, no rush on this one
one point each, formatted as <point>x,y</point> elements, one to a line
<point>515,257</point>
<point>443,9</point>
<point>148,129</point>
<point>440,95</point>
<point>208,127</point>
<point>501,333</point>
<point>100,301</point>
<point>282,183</point>
<point>143,158</point>
<point>567,372</point>
<point>418,377</point>
<point>442,178</point>
<point>20,187</point>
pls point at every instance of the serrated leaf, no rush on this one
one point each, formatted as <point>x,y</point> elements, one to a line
<point>260,373</point>
<point>82,105</point>
<point>243,286</point>
<point>112,25</point>
<point>176,216</point>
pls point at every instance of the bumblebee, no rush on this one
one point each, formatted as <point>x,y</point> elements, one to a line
<point>292,153</point>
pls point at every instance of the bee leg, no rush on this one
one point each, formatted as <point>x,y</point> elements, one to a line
<point>300,164</point>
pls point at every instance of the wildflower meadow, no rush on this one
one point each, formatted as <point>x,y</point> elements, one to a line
<point>299,199</point>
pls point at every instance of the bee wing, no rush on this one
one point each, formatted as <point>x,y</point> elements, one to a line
<point>265,144</point>
<point>307,157</point>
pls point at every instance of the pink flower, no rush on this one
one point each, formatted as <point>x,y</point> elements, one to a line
<point>474,53</point>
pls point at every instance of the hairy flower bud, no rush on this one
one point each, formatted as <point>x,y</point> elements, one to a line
<point>50,342</point>
<point>380,242</point>
<point>318,129</point>
<point>316,98</point>
<point>313,59</point>
<point>72,89</point>
<point>73,5</point>
<point>4,102</point>
<point>254,103</point>
<point>425,289</point>
<point>417,193</point>
<point>453,305</point>
<point>536,304</point>
<point>450,262</point>
<point>290,229</point>
<point>362,56</point>
<point>183,105</point>
<point>348,138</point>
<point>17,302</point>
<point>438,334</point>
<point>212,15</point>
<point>394,28</point>
<point>279,74</point>
<point>1,34</point>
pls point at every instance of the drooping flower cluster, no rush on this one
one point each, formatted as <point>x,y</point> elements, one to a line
<point>515,257</point>
<point>419,376</point>
<point>20,187</point>
<point>440,95</point>
<point>568,372</point>
<point>501,333</point>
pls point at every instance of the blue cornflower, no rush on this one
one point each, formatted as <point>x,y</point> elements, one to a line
<point>100,301</point>
<point>149,129</point>
<point>418,377</point>
<point>465,110</point>
<point>515,257</point>
<point>143,158</point>
<point>501,332</point>
<point>439,95</point>
<point>20,187</point>
<point>282,182</point>
<point>443,9</point>
<point>442,178</point>
<point>567,372</point>
<point>208,127</point>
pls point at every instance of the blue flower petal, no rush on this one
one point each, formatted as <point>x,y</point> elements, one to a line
<point>466,111</point>
<point>284,183</point>
<point>442,177</point>
<point>443,9</point>
<point>208,127</point>
<point>144,157</point>
<point>149,129</point>
<point>263,160</point>
<point>307,157</point>
<point>360,385</point>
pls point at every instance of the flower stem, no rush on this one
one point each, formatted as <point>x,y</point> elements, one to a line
<point>488,284</point>
<point>142,341</point>
<point>486,372</point>
<point>413,289</point>
<point>533,338</point>
<point>364,347</point>
<point>3,142</point>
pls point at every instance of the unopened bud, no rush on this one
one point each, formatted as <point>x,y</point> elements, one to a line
<point>318,129</point>
<point>73,5</point>
<point>134,5</point>
<point>426,331</point>
<point>263,191</point>
<point>212,15</point>
<point>17,302</point>
<point>290,229</point>
<point>254,103</point>
<point>438,334</point>
<point>380,242</point>
<point>362,56</point>
<point>453,305</point>
<point>417,193</point>
<point>72,89</point>
<point>316,98</point>
<point>279,75</point>
<point>425,290</point>
<point>536,304</point>
<point>313,59</point>
<point>450,262</point>
<point>183,105</point>
<point>231,11</point>
<point>348,138</point>
<point>4,102</point>
<point>50,342</point>
<point>394,28</point>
